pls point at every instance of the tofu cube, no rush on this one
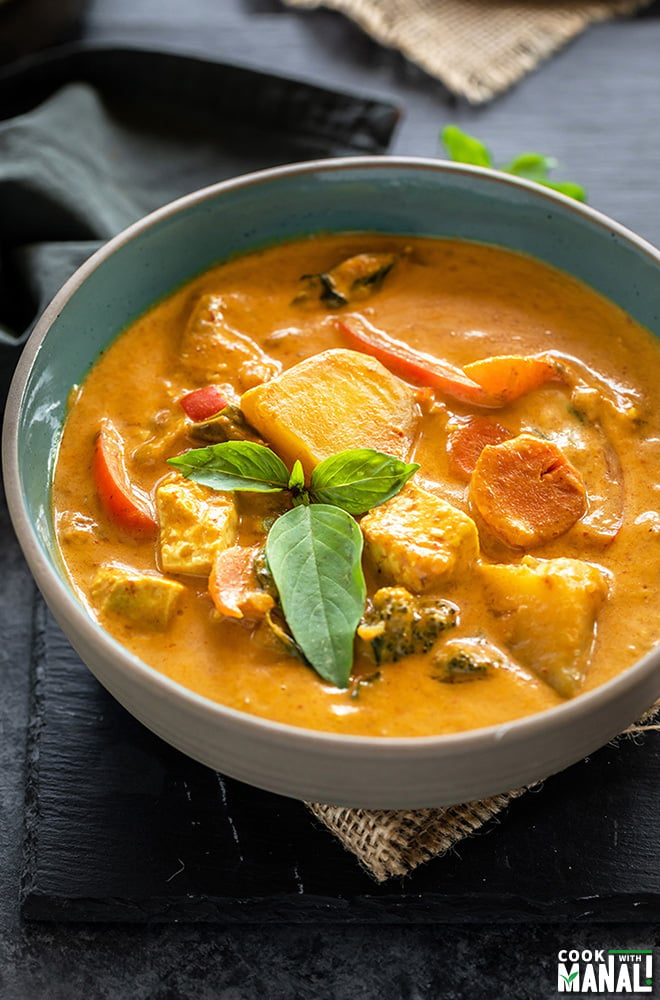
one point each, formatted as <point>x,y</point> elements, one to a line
<point>333,401</point>
<point>144,600</point>
<point>419,541</point>
<point>194,522</point>
<point>545,611</point>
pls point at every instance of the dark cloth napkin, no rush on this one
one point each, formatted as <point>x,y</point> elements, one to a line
<point>92,139</point>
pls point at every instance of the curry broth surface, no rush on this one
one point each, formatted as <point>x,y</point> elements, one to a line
<point>452,299</point>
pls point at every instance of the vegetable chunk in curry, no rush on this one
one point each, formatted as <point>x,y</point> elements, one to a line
<point>371,485</point>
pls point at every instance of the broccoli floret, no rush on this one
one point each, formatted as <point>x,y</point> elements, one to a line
<point>465,660</point>
<point>398,623</point>
<point>263,573</point>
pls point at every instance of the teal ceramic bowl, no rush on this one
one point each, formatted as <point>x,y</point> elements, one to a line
<point>159,253</point>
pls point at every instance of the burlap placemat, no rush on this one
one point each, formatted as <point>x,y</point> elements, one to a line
<point>476,48</point>
<point>390,842</point>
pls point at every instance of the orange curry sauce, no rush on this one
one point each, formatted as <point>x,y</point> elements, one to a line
<point>457,301</point>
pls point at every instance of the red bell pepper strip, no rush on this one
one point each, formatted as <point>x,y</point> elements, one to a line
<point>124,502</point>
<point>491,383</point>
<point>201,404</point>
<point>415,366</point>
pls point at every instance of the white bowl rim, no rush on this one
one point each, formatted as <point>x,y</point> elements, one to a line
<point>61,597</point>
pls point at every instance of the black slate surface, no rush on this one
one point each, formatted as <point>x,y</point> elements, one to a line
<point>121,827</point>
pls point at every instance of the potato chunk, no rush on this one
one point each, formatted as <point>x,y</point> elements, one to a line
<point>419,541</point>
<point>546,611</point>
<point>213,349</point>
<point>194,523</point>
<point>332,401</point>
<point>141,599</point>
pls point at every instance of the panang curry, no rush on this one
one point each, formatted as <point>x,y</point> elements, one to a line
<point>372,485</point>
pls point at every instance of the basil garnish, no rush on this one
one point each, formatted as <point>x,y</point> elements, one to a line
<point>314,549</point>
<point>464,148</point>
<point>297,477</point>
<point>234,465</point>
<point>355,480</point>
<point>314,554</point>
<point>359,479</point>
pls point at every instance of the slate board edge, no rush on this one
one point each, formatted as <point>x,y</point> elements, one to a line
<point>429,909</point>
<point>36,717</point>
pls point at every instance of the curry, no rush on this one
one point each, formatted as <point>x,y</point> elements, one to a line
<point>371,485</point>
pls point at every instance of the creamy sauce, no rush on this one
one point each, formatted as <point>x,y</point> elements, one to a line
<point>451,299</point>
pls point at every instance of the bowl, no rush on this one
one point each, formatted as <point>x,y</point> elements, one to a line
<point>157,254</point>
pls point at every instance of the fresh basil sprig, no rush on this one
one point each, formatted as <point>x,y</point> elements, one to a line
<point>314,553</point>
<point>464,148</point>
<point>355,480</point>
<point>314,549</point>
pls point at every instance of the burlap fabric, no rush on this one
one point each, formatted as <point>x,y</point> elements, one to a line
<point>476,48</point>
<point>389,842</point>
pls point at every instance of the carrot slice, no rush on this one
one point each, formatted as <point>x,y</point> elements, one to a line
<point>468,439</point>
<point>526,491</point>
<point>200,404</point>
<point>506,377</point>
<point>233,584</point>
<point>124,502</point>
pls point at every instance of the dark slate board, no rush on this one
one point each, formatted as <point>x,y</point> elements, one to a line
<point>121,827</point>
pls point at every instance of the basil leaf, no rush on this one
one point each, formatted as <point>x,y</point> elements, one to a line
<point>465,148</point>
<point>234,465</point>
<point>533,166</point>
<point>568,188</point>
<point>536,167</point>
<point>359,479</point>
<point>314,554</point>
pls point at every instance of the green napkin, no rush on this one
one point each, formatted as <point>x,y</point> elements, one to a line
<point>91,140</point>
